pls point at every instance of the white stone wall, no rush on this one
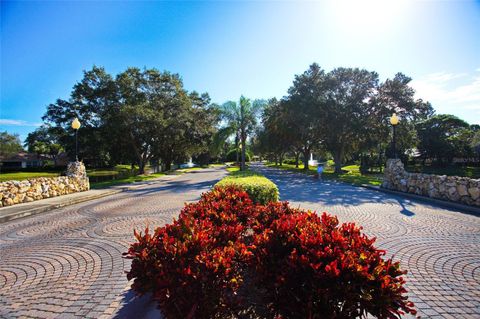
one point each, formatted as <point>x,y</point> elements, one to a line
<point>15,192</point>
<point>453,188</point>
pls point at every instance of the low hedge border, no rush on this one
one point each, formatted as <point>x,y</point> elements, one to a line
<point>260,189</point>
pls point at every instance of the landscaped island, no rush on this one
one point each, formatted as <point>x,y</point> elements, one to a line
<point>233,254</point>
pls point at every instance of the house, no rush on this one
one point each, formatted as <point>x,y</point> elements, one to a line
<point>22,160</point>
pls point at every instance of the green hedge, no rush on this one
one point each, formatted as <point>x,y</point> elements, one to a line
<point>232,156</point>
<point>259,188</point>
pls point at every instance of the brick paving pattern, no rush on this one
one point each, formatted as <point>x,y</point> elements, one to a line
<point>68,264</point>
<point>439,247</point>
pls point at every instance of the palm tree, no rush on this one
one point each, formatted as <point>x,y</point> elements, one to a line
<point>240,119</point>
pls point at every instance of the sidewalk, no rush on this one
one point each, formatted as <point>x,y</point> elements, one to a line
<point>28,209</point>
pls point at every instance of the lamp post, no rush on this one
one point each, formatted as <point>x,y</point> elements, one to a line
<point>394,122</point>
<point>76,126</point>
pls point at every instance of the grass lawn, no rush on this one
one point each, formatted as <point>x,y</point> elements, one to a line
<point>141,178</point>
<point>101,177</point>
<point>94,174</point>
<point>232,169</point>
<point>113,171</point>
<point>466,171</point>
<point>239,174</point>
<point>352,174</point>
<point>18,176</point>
<point>180,171</point>
<point>235,171</point>
<point>126,180</point>
<point>216,165</point>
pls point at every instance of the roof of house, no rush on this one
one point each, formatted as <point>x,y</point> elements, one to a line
<point>22,157</point>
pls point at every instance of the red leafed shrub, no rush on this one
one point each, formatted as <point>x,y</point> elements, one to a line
<point>304,265</point>
<point>229,205</point>
<point>311,267</point>
<point>193,266</point>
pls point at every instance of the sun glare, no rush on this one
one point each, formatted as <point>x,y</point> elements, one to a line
<point>355,16</point>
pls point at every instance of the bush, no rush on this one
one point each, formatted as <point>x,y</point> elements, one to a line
<point>310,267</point>
<point>291,161</point>
<point>260,189</point>
<point>232,156</point>
<point>193,266</point>
<point>303,265</point>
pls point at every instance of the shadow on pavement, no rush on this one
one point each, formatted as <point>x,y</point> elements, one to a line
<point>297,187</point>
<point>176,186</point>
<point>405,210</point>
<point>138,307</point>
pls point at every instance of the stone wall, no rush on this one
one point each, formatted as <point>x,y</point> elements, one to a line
<point>452,188</point>
<point>15,192</point>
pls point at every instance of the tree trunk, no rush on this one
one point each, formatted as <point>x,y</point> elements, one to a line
<point>337,157</point>
<point>237,160</point>
<point>243,134</point>
<point>244,138</point>
<point>380,162</point>
<point>297,156</point>
<point>138,155</point>
<point>168,165</point>
<point>306,154</point>
<point>141,166</point>
<point>156,166</point>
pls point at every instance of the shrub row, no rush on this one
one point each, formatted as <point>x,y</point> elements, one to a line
<point>232,156</point>
<point>299,264</point>
<point>260,189</point>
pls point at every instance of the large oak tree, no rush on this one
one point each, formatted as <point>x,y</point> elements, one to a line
<point>135,117</point>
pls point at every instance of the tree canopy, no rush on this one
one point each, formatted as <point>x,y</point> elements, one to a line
<point>443,137</point>
<point>241,120</point>
<point>145,115</point>
<point>9,144</point>
<point>342,112</point>
<point>135,117</point>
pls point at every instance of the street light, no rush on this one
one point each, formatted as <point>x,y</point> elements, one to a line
<point>76,126</point>
<point>394,121</point>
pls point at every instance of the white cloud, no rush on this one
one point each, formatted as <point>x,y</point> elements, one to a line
<point>451,93</point>
<point>443,77</point>
<point>9,122</point>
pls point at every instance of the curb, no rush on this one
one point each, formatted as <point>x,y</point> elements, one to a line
<point>48,207</point>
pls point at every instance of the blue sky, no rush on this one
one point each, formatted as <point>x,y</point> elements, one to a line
<point>229,48</point>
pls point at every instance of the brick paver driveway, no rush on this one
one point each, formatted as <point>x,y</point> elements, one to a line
<point>68,263</point>
<point>439,247</point>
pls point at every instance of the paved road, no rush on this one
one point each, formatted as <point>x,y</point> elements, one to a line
<point>439,247</point>
<point>68,263</point>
